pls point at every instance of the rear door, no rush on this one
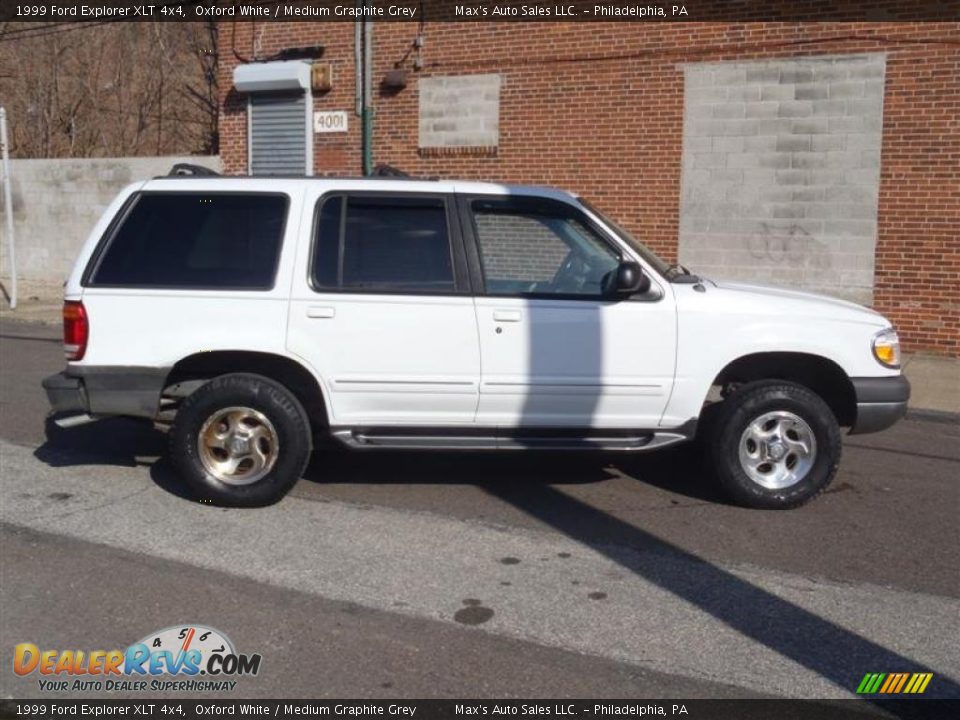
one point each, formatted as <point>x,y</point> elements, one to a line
<point>381,308</point>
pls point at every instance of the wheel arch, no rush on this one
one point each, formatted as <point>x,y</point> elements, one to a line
<point>285,370</point>
<point>819,374</point>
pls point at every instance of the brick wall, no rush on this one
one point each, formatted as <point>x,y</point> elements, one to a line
<point>598,108</point>
<point>334,153</point>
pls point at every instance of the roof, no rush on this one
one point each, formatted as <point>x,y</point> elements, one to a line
<point>390,184</point>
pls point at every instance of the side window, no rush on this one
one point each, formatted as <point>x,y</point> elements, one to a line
<point>531,248</point>
<point>385,244</point>
<point>196,240</point>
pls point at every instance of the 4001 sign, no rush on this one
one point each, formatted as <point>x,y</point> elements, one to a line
<point>330,121</point>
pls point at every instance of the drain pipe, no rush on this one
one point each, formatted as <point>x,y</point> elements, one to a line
<point>367,104</point>
<point>358,67</point>
<point>8,207</point>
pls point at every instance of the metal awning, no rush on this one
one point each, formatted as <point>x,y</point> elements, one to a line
<point>272,76</point>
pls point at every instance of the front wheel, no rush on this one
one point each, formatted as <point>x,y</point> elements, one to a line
<point>240,440</point>
<point>775,445</point>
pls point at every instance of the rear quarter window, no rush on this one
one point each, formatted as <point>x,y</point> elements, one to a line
<point>195,240</point>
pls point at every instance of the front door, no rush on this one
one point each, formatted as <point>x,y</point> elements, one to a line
<point>386,318</point>
<point>555,351</point>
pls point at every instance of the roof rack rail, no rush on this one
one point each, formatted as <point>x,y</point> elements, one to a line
<point>181,169</point>
<point>390,172</point>
<point>380,172</point>
<point>384,170</point>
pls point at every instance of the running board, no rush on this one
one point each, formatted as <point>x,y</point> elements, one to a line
<point>369,440</point>
<point>74,421</point>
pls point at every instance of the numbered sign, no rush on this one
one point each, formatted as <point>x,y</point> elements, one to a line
<point>331,121</point>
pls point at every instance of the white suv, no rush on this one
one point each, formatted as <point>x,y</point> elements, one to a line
<point>255,314</point>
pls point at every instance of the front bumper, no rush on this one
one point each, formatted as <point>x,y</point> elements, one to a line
<point>881,402</point>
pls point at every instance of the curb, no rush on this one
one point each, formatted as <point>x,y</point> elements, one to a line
<point>938,416</point>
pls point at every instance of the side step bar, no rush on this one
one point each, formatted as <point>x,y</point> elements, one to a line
<point>74,420</point>
<point>370,440</point>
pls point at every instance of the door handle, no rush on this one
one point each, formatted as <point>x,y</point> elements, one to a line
<point>507,315</point>
<point>321,311</point>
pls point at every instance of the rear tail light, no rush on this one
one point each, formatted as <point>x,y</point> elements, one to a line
<point>76,330</point>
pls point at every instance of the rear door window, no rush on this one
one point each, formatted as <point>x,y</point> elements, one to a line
<point>383,244</point>
<point>196,240</point>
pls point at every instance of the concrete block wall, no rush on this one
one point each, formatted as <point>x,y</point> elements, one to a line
<point>57,202</point>
<point>460,111</point>
<point>781,171</point>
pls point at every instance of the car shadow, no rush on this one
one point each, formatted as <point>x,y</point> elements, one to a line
<point>128,442</point>
<point>678,471</point>
<point>117,441</point>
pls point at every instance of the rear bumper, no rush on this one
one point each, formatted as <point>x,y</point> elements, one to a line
<point>133,391</point>
<point>881,402</point>
<point>66,394</point>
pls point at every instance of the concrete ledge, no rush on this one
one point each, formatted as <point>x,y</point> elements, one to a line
<point>935,383</point>
<point>940,416</point>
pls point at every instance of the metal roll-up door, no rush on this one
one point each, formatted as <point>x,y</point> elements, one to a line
<point>278,134</point>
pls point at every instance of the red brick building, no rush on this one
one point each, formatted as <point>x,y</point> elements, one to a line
<point>819,155</point>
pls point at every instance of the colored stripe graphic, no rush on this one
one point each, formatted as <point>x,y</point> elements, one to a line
<point>894,683</point>
<point>896,680</point>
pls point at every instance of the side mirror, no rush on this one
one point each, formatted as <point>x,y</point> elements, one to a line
<point>628,279</point>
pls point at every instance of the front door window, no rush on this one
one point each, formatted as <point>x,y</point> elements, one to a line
<point>531,249</point>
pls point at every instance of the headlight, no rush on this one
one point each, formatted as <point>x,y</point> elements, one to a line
<point>886,348</point>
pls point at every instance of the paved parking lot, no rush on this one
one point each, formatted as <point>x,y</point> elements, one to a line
<point>471,575</point>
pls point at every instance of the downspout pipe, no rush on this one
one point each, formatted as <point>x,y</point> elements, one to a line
<point>358,67</point>
<point>367,104</point>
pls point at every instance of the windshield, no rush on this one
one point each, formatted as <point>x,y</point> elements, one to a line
<point>642,250</point>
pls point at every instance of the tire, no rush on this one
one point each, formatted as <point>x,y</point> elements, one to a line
<point>758,445</point>
<point>240,440</point>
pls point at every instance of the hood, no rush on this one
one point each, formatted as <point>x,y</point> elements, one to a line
<point>820,305</point>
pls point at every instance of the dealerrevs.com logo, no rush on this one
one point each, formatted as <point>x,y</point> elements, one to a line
<point>181,658</point>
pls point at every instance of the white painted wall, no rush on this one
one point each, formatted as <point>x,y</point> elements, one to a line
<point>56,203</point>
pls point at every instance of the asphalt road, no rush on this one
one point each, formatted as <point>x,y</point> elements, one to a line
<point>403,575</point>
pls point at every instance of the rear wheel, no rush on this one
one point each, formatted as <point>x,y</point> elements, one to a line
<point>775,445</point>
<point>241,440</point>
